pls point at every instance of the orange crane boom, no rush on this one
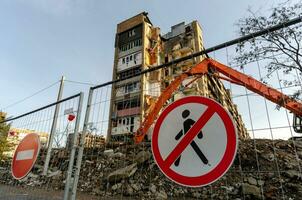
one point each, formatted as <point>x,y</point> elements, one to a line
<point>213,67</point>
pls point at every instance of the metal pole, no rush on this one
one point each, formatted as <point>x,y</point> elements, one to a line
<point>73,150</point>
<point>81,146</point>
<point>53,127</point>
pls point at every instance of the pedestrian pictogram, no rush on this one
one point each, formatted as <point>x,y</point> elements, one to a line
<point>25,155</point>
<point>194,141</point>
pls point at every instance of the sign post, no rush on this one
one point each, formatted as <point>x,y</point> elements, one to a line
<point>25,156</point>
<point>194,141</point>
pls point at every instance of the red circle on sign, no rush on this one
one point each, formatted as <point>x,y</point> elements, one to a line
<point>71,117</point>
<point>25,155</point>
<point>228,156</point>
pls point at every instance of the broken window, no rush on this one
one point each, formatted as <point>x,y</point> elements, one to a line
<point>131,87</point>
<point>166,59</point>
<point>166,84</point>
<point>130,103</point>
<point>129,73</point>
<point>131,124</point>
<point>131,33</point>
<point>166,72</point>
<point>188,29</point>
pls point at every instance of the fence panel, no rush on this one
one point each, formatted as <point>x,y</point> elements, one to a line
<point>110,166</point>
<point>268,161</point>
<point>46,180</point>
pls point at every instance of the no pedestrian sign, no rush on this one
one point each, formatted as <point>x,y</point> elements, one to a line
<point>194,141</point>
<point>25,156</point>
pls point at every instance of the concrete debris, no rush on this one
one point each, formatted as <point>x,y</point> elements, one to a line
<point>55,174</point>
<point>108,152</point>
<point>130,171</point>
<point>251,190</point>
<point>161,195</point>
<point>252,181</point>
<point>122,173</point>
<point>117,155</point>
<point>293,174</point>
<point>142,157</point>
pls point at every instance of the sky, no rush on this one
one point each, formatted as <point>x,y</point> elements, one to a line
<point>42,40</point>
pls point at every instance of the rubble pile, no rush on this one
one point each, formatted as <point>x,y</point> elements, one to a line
<point>263,169</point>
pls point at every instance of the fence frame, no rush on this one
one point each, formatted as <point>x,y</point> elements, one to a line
<point>171,63</point>
<point>80,95</point>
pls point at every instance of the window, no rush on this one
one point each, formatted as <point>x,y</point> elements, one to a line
<point>166,84</point>
<point>131,33</point>
<point>130,58</point>
<point>188,29</point>
<point>129,73</point>
<point>131,124</point>
<point>127,60</point>
<point>128,88</point>
<point>123,61</point>
<point>132,103</point>
<point>131,87</point>
<point>166,59</point>
<point>130,45</point>
<point>166,72</point>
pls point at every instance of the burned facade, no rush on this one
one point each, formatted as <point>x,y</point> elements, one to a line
<point>140,46</point>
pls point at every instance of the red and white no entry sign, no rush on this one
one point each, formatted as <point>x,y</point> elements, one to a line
<point>25,156</point>
<point>194,141</point>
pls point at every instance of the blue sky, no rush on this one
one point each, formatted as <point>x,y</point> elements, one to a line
<point>42,40</point>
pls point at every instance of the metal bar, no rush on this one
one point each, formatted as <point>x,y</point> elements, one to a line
<point>211,49</point>
<point>81,146</point>
<point>53,128</point>
<point>73,149</point>
<point>42,108</point>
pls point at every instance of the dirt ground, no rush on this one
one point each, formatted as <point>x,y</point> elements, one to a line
<point>20,193</point>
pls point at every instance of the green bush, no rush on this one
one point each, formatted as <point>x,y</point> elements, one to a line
<point>4,144</point>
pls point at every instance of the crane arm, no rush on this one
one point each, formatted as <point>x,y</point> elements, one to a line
<point>256,86</point>
<point>152,115</point>
<point>231,75</point>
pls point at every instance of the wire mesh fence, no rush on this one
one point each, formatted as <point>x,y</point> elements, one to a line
<point>57,127</point>
<point>106,162</point>
<point>268,161</point>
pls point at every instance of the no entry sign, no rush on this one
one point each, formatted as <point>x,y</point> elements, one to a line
<point>25,156</point>
<point>194,141</point>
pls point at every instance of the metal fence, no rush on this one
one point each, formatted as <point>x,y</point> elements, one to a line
<point>267,165</point>
<point>57,125</point>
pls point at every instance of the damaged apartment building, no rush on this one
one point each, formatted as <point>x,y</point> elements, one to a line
<point>140,46</point>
